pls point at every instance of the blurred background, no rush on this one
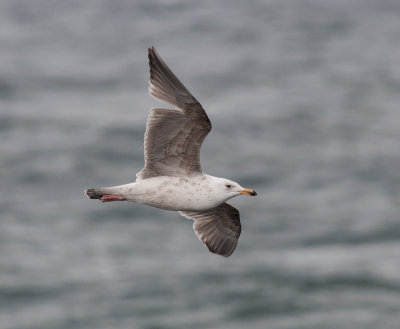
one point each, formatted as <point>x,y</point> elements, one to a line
<point>304,99</point>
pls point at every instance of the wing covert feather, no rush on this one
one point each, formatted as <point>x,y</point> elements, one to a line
<point>218,228</point>
<point>173,138</point>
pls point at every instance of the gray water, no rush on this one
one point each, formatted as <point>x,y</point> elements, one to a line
<point>304,99</point>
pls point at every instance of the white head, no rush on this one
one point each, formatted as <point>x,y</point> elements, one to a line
<point>226,189</point>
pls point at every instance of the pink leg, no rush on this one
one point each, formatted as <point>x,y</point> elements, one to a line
<point>112,197</point>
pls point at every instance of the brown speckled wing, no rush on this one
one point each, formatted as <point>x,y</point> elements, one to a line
<point>173,138</point>
<point>218,228</point>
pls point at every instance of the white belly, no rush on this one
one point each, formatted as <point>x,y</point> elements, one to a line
<point>172,193</point>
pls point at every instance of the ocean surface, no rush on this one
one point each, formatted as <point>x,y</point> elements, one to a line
<point>304,97</point>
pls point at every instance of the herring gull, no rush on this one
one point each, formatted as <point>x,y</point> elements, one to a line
<point>172,178</point>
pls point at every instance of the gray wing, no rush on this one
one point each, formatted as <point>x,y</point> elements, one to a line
<point>218,228</point>
<point>173,138</point>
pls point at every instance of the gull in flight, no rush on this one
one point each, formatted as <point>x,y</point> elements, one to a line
<point>172,178</point>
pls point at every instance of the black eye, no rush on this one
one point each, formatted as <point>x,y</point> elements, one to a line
<point>228,185</point>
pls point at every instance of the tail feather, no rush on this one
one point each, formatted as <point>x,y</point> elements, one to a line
<point>94,193</point>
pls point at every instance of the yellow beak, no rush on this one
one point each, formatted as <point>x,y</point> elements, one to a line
<point>248,191</point>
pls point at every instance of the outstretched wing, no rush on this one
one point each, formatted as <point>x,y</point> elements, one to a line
<point>173,138</point>
<point>218,228</point>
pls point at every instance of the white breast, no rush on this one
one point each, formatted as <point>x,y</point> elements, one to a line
<point>173,193</point>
